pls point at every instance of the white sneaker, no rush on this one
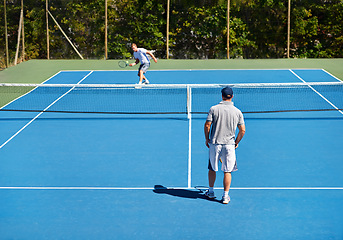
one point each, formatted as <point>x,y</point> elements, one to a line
<point>139,85</point>
<point>210,194</point>
<point>146,81</point>
<point>226,200</point>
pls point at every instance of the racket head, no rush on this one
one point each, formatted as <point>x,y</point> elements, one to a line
<point>201,188</point>
<point>123,64</point>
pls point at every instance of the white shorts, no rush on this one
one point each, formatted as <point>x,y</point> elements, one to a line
<point>224,152</point>
<point>144,67</point>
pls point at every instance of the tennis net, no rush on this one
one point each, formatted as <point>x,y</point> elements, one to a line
<point>169,99</point>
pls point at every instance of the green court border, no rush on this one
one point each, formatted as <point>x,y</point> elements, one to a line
<point>37,71</point>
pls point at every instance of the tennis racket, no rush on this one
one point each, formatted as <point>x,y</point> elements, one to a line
<point>123,64</point>
<point>201,188</point>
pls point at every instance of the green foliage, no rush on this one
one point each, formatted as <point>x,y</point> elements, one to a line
<point>266,23</point>
<point>239,38</point>
<point>317,30</point>
<point>198,32</point>
<point>198,28</point>
<point>136,21</point>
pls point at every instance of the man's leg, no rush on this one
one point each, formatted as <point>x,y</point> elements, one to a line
<point>227,181</point>
<point>211,170</point>
<point>211,178</point>
<point>141,76</point>
<point>142,70</point>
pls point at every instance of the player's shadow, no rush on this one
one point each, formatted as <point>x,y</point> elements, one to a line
<point>183,193</point>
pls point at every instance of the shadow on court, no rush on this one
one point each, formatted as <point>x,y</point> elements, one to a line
<point>183,193</point>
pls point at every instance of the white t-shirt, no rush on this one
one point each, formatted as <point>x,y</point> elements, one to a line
<point>141,55</point>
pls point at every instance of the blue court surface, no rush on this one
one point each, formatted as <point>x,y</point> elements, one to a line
<point>98,176</point>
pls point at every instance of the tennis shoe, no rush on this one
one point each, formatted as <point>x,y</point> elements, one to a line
<point>146,81</point>
<point>139,85</point>
<point>226,199</point>
<point>210,194</point>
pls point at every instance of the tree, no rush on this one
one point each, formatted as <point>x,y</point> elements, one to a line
<point>139,21</point>
<point>258,28</point>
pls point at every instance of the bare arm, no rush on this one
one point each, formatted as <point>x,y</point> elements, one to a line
<point>207,129</point>
<point>152,55</point>
<point>133,64</point>
<point>240,134</point>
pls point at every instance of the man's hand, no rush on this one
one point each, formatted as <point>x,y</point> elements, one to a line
<point>207,143</point>
<point>135,63</point>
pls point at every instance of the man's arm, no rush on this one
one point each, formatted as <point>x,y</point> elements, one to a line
<point>207,129</point>
<point>152,55</point>
<point>240,134</point>
<point>135,63</point>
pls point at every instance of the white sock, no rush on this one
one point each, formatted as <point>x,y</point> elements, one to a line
<point>226,193</point>
<point>210,189</point>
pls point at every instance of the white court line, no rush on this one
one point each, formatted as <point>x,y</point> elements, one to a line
<point>27,124</point>
<point>335,107</point>
<point>202,69</point>
<point>168,188</point>
<point>189,110</point>
<point>332,75</point>
<point>189,152</point>
<point>30,91</point>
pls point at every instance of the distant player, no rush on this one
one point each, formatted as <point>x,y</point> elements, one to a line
<point>140,54</point>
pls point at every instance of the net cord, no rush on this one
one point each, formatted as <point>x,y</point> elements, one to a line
<point>168,86</point>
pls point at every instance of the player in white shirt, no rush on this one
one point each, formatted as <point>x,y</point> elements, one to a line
<point>220,133</point>
<point>140,54</point>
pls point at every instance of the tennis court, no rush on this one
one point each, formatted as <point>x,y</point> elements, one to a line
<point>135,176</point>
